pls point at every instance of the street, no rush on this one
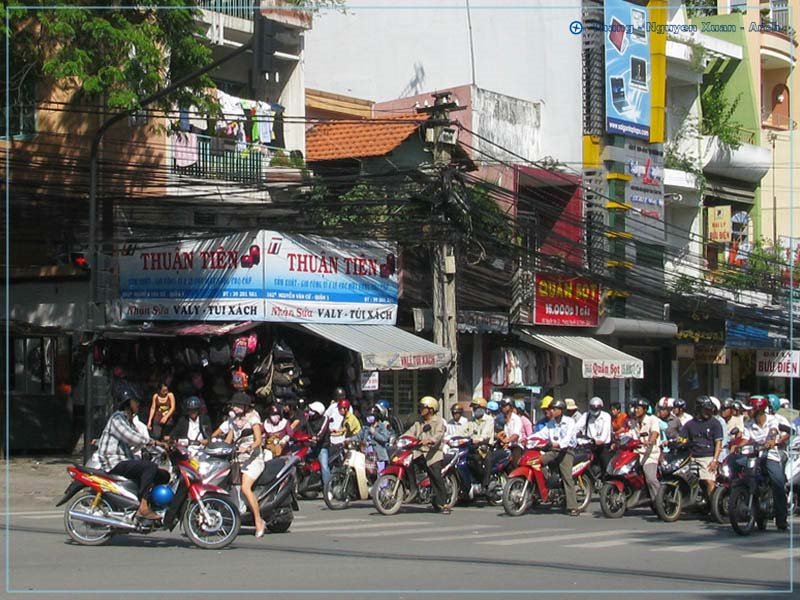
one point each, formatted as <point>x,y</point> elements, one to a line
<point>476,550</point>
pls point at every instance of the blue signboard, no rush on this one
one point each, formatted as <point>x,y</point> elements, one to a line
<point>627,52</point>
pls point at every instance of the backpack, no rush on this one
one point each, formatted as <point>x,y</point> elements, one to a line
<point>239,379</point>
<point>252,343</point>
<point>282,352</point>
<point>239,349</point>
<point>220,352</point>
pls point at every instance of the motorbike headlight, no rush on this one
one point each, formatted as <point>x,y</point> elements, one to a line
<point>751,462</point>
<point>726,471</point>
<point>625,469</point>
<point>401,443</point>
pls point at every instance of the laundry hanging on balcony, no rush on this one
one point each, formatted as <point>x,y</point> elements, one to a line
<point>185,148</point>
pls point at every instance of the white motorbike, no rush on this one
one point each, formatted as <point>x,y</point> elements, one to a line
<point>792,471</point>
<point>352,480</point>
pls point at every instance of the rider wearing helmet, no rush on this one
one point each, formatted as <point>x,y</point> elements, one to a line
<point>649,451</point>
<point>594,426</point>
<point>560,432</point>
<point>679,410</point>
<point>336,430</point>
<point>732,420</point>
<point>511,435</point>
<point>673,423</point>
<point>393,420</point>
<point>704,434</point>
<point>547,414</point>
<point>191,425</point>
<point>527,424</point>
<point>377,434</point>
<point>455,425</point>
<point>276,431</point>
<point>764,429</point>
<point>481,431</point>
<point>430,430</point>
<point>115,450</point>
<point>351,426</point>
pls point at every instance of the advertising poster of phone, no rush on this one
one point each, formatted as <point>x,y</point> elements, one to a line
<point>627,58</point>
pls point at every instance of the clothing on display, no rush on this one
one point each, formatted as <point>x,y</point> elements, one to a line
<point>523,366</point>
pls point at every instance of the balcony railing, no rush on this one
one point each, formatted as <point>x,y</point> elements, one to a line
<point>777,121</point>
<point>779,13</point>
<point>242,9</point>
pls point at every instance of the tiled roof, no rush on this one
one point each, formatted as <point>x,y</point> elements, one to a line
<point>360,139</point>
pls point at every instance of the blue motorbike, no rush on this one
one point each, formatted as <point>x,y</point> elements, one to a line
<point>465,471</point>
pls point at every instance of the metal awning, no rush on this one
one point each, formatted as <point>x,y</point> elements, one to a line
<point>637,328</point>
<point>383,347</point>
<point>169,330</point>
<point>598,359</point>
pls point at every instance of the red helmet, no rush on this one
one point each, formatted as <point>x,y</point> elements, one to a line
<point>759,403</point>
<point>343,404</point>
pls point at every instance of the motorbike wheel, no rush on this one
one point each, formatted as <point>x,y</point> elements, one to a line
<point>583,491</point>
<point>495,495</point>
<point>452,487</point>
<point>388,494</point>
<point>669,502</point>
<point>742,511</point>
<point>719,504</point>
<point>87,534</point>
<point>281,526</point>
<point>222,528</point>
<point>612,501</point>
<point>515,500</point>
<point>336,492</point>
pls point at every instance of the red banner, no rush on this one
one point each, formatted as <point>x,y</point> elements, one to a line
<point>565,301</point>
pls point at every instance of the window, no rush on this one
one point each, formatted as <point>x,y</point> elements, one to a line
<point>22,101</point>
<point>33,361</point>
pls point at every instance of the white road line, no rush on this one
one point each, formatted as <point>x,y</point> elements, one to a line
<point>334,528</point>
<point>315,522</point>
<point>32,512</point>
<point>687,548</point>
<point>781,554</point>
<point>473,535</point>
<point>533,538</point>
<point>606,543</point>
<point>417,530</point>
<point>29,517</point>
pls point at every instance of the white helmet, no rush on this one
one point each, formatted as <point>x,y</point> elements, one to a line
<point>596,403</point>
<point>316,407</point>
<point>715,401</point>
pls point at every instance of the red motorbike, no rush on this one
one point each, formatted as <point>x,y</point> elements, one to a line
<point>403,481</point>
<point>106,505</point>
<point>309,470</point>
<point>533,483</point>
<point>625,485</point>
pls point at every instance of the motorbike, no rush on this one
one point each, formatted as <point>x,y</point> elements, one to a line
<point>309,470</point>
<point>793,475</point>
<point>102,505</point>
<point>350,481</point>
<point>751,503</point>
<point>625,485</point>
<point>469,476</point>
<point>402,481</point>
<point>595,470</point>
<point>681,487</point>
<point>532,483</point>
<point>274,488</point>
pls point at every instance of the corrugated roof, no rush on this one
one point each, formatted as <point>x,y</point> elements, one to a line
<point>360,139</point>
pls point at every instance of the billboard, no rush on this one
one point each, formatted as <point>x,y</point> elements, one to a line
<point>261,276</point>
<point>565,301</point>
<point>719,224</point>
<point>645,191</point>
<point>627,61</point>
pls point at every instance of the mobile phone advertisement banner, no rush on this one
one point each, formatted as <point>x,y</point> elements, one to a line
<point>626,31</point>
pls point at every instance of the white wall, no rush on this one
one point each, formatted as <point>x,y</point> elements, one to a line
<point>521,50</point>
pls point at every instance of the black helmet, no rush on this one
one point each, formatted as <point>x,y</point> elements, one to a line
<point>728,403</point>
<point>639,402</point>
<point>241,399</point>
<point>456,408</point>
<point>680,403</point>
<point>705,403</point>
<point>192,403</point>
<point>339,393</point>
<point>558,404</point>
<point>124,397</point>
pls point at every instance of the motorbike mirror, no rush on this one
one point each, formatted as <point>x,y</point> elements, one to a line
<point>426,429</point>
<point>784,428</point>
<point>734,432</point>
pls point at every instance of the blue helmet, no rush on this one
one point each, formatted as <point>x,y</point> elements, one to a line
<point>520,404</point>
<point>162,495</point>
<point>493,406</point>
<point>385,404</point>
<point>192,403</point>
<point>774,402</point>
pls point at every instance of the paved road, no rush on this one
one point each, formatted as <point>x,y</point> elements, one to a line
<point>475,548</point>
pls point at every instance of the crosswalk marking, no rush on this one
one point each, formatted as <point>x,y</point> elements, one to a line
<point>417,530</point>
<point>32,513</point>
<point>324,528</point>
<point>781,554</point>
<point>533,538</point>
<point>606,543</point>
<point>466,536</point>
<point>314,522</point>
<point>687,548</point>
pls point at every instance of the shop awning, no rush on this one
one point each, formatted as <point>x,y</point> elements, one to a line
<point>598,359</point>
<point>384,347</point>
<point>168,330</point>
<point>637,328</point>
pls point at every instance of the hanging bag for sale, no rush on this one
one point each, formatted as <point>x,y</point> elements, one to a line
<point>239,379</point>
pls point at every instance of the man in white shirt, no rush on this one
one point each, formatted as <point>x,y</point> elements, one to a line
<point>679,410</point>
<point>455,426</point>
<point>335,419</point>
<point>511,436</point>
<point>560,432</point>
<point>649,451</point>
<point>594,426</point>
<point>764,429</point>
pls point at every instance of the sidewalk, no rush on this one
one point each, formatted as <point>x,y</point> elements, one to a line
<point>34,483</point>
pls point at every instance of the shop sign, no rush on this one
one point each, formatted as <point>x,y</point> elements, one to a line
<point>711,355</point>
<point>627,69</point>
<point>613,369</point>
<point>565,301</point>
<point>719,224</point>
<point>370,381</point>
<point>473,321</point>
<point>644,163</point>
<point>261,276</point>
<point>778,363</point>
<point>700,335</point>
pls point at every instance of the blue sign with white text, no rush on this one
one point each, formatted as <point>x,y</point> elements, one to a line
<point>627,53</point>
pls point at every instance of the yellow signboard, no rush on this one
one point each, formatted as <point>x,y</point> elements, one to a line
<point>719,224</point>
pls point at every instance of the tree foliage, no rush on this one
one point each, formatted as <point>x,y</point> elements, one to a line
<point>718,112</point>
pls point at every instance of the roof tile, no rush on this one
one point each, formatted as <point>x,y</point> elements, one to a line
<point>360,139</point>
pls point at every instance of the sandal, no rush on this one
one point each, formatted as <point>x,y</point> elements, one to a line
<point>574,513</point>
<point>150,515</point>
<point>260,530</point>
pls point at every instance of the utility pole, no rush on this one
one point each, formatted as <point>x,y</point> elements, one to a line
<point>443,140</point>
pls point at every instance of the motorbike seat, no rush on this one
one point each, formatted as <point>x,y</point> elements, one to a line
<point>580,454</point>
<point>271,470</point>
<point>102,473</point>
